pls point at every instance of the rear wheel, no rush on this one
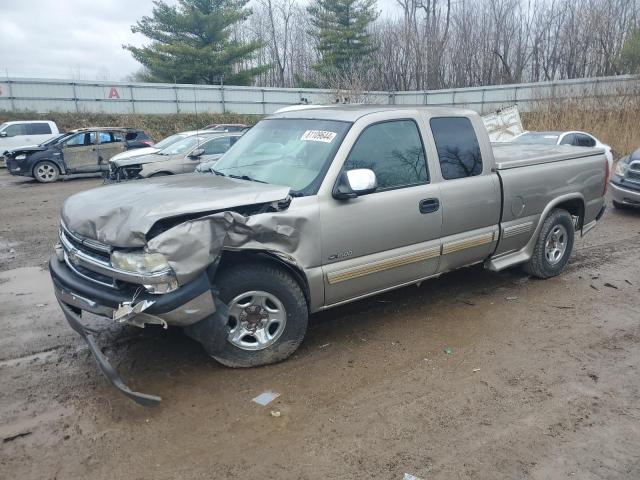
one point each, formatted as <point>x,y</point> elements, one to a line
<point>46,172</point>
<point>268,315</point>
<point>553,246</point>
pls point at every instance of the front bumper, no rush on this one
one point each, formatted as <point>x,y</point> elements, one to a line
<point>624,194</point>
<point>185,307</point>
<point>16,168</point>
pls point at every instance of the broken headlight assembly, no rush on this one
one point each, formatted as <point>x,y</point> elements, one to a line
<point>621,169</point>
<point>144,263</point>
<point>20,157</point>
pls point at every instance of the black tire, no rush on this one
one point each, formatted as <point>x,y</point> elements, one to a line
<point>46,172</point>
<point>159,174</point>
<point>539,265</point>
<point>235,281</point>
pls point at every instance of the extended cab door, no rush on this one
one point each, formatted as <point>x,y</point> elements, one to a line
<point>80,152</point>
<point>389,237</point>
<point>470,192</point>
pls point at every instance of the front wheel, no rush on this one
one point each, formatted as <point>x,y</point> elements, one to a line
<point>46,172</point>
<point>268,315</point>
<point>553,246</point>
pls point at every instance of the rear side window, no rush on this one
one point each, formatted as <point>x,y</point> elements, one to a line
<point>458,147</point>
<point>394,151</point>
<point>569,139</point>
<point>38,129</point>
<point>583,140</point>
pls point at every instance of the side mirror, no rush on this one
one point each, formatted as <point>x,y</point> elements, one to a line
<point>3,134</point>
<point>197,153</point>
<point>353,183</point>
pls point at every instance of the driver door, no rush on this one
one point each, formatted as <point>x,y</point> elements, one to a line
<point>390,237</point>
<point>80,152</point>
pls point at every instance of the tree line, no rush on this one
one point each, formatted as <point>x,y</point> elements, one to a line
<point>418,45</point>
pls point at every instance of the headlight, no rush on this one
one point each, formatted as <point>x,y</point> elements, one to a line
<point>140,262</point>
<point>20,157</point>
<point>621,169</point>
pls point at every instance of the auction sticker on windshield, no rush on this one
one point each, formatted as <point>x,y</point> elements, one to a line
<point>318,136</point>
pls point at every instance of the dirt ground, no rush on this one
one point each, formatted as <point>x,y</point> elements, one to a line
<point>542,381</point>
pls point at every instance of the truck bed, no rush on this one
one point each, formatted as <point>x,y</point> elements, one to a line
<point>514,155</point>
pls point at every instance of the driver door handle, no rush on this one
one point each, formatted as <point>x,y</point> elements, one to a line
<point>429,205</point>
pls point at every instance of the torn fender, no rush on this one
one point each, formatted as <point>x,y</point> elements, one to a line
<point>193,245</point>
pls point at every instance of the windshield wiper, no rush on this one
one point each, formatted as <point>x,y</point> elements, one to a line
<point>247,177</point>
<point>213,170</point>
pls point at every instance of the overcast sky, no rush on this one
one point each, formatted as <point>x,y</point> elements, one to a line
<point>79,39</point>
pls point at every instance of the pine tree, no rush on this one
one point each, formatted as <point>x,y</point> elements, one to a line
<point>629,58</point>
<point>191,43</point>
<point>344,44</point>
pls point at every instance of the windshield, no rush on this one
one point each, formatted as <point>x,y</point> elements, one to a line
<point>289,152</point>
<point>182,146</point>
<point>53,140</point>
<point>544,138</point>
<point>169,141</point>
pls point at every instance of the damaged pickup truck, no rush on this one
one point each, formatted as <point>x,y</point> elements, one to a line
<point>311,209</point>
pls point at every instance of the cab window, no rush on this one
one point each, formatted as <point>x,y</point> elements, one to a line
<point>458,148</point>
<point>394,151</point>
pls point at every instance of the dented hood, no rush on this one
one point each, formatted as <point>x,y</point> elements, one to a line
<point>121,215</point>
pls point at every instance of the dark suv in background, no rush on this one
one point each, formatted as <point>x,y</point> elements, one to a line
<point>86,150</point>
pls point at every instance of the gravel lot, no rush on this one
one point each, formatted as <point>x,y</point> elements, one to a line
<point>542,381</point>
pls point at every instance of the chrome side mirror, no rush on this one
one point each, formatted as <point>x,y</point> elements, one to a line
<point>353,183</point>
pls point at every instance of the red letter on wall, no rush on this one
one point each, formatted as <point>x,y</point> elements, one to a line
<point>113,93</point>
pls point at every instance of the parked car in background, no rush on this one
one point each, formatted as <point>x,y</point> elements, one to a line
<point>180,157</point>
<point>226,127</point>
<point>577,139</point>
<point>135,139</point>
<point>25,133</point>
<point>625,181</point>
<point>162,144</point>
<point>86,150</point>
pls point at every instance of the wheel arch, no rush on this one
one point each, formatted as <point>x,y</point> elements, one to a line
<point>229,258</point>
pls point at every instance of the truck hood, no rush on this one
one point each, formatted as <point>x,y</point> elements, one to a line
<point>121,215</point>
<point>142,159</point>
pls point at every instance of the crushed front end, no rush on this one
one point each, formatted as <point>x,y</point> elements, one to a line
<point>85,279</point>
<point>117,173</point>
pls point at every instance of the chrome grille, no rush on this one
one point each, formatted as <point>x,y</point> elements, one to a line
<point>92,260</point>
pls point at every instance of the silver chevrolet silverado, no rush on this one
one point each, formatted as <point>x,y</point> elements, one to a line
<point>315,208</point>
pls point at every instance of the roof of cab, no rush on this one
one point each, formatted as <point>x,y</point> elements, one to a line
<point>351,113</point>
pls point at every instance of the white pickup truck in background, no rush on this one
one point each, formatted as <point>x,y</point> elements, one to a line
<point>25,133</point>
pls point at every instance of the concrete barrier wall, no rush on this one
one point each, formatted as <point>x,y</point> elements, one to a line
<point>44,95</point>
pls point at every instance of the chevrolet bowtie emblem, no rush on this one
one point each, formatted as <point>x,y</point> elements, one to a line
<point>73,256</point>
